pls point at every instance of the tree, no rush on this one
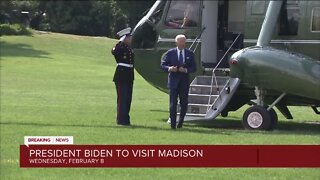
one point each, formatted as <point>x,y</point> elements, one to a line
<point>82,17</point>
<point>98,18</point>
<point>13,10</point>
<point>135,9</point>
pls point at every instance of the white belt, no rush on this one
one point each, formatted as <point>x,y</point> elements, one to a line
<point>125,65</point>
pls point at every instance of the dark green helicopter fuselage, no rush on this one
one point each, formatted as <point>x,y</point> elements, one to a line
<point>290,63</point>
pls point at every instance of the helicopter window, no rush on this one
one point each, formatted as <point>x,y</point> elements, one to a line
<point>183,14</point>
<point>157,14</point>
<point>258,7</point>
<point>289,19</point>
<point>294,2</point>
<point>315,21</point>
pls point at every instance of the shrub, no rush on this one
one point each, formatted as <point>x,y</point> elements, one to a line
<point>14,29</point>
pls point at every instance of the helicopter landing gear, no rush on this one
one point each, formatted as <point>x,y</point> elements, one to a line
<point>274,119</point>
<point>257,118</point>
<point>260,117</point>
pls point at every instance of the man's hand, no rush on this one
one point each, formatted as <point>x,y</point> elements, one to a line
<point>173,69</point>
<point>182,69</point>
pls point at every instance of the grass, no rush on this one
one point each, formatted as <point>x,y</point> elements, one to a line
<point>56,84</point>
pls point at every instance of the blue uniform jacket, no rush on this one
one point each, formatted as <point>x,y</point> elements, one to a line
<point>123,54</point>
<point>171,59</point>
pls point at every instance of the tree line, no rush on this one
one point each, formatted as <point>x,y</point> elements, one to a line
<point>93,18</point>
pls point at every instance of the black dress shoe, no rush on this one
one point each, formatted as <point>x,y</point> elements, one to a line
<point>179,125</point>
<point>123,124</point>
<point>173,128</point>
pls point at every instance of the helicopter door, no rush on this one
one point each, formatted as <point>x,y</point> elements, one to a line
<point>209,35</point>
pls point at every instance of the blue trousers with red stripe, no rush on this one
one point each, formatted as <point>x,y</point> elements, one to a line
<point>124,97</point>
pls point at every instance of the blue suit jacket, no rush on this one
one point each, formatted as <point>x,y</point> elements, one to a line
<point>170,58</point>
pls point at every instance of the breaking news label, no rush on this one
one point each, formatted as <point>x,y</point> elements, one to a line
<point>32,140</point>
<point>60,152</point>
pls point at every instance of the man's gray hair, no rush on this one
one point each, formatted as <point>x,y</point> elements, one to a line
<point>180,36</point>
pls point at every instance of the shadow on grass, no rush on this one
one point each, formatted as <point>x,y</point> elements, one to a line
<point>134,126</point>
<point>23,50</point>
<point>219,126</point>
<point>159,110</point>
<point>283,127</point>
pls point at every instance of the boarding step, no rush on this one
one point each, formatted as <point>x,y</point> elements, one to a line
<point>205,89</point>
<point>200,109</point>
<point>192,117</point>
<point>218,71</point>
<point>204,105</point>
<point>201,99</point>
<point>207,80</point>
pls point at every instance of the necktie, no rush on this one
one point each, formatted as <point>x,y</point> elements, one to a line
<point>180,58</point>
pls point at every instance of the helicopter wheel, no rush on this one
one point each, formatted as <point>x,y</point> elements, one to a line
<point>257,118</point>
<point>274,119</point>
<point>224,113</point>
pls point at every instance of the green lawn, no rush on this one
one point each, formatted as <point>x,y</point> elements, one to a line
<point>55,84</point>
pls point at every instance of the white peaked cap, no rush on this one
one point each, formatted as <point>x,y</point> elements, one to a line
<point>123,33</point>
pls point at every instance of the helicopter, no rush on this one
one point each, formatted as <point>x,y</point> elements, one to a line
<point>259,53</point>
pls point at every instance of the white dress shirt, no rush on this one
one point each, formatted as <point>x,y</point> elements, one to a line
<point>183,55</point>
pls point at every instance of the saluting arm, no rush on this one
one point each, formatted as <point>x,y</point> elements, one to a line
<point>116,50</point>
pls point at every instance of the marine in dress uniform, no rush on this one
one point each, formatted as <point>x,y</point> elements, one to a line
<point>124,75</point>
<point>179,62</point>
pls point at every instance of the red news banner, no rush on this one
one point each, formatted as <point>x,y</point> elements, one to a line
<point>170,156</point>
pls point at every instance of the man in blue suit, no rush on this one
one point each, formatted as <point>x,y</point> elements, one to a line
<point>178,62</point>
